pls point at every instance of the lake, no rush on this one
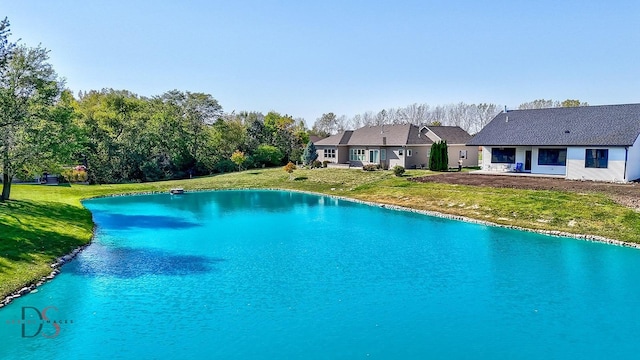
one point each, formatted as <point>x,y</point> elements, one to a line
<point>284,275</point>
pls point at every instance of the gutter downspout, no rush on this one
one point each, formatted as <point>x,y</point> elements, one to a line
<point>626,155</point>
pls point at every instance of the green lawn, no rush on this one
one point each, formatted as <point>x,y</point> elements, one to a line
<point>42,223</point>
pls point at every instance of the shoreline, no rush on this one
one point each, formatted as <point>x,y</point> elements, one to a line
<point>59,262</point>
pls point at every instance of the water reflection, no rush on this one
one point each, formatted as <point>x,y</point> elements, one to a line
<point>124,262</point>
<point>123,222</point>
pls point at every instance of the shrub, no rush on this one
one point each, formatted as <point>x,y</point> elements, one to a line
<point>371,167</point>
<point>74,176</point>
<point>324,163</point>
<point>239,158</point>
<point>224,166</point>
<point>316,164</point>
<point>268,155</point>
<point>289,168</point>
<point>398,170</point>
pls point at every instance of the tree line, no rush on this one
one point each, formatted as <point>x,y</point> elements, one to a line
<point>126,137</point>
<point>471,117</point>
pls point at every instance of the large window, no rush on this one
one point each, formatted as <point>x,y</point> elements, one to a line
<point>557,157</point>
<point>329,153</point>
<point>596,158</point>
<point>503,155</point>
<point>357,155</point>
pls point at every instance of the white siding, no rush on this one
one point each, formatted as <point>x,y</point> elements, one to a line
<point>486,163</point>
<point>633,161</point>
<point>486,158</point>
<point>577,171</point>
<point>545,169</point>
<point>520,155</point>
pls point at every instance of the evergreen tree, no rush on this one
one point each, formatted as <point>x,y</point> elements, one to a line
<point>310,154</point>
<point>439,157</point>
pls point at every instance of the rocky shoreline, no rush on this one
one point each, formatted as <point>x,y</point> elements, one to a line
<point>69,257</point>
<point>55,270</point>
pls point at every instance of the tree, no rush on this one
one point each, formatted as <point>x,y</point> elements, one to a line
<point>29,87</point>
<point>255,129</point>
<point>281,130</point>
<point>439,157</point>
<point>310,154</point>
<point>325,125</point>
<point>538,104</point>
<point>573,103</point>
<point>123,139</point>
<point>267,155</point>
<point>6,47</point>
<point>484,113</point>
<point>238,158</point>
<point>289,168</point>
<point>198,110</point>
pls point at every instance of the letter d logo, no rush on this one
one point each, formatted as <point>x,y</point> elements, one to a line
<point>24,322</point>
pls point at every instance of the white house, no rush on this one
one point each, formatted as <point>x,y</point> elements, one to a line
<point>584,143</point>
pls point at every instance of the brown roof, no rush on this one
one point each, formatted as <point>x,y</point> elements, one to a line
<point>315,138</point>
<point>452,134</point>
<point>395,135</point>
<point>337,139</point>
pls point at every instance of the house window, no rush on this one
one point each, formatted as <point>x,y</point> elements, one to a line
<point>556,157</point>
<point>383,154</point>
<point>400,152</point>
<point>463,154</point>
<point>596,158</point>
<point>503,155</point>
<point>374,156</point>
<point>409,152</point>
<point>357,155</point>
<point>329,153</point>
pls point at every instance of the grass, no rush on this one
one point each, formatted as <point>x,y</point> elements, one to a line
<point>42,223</point>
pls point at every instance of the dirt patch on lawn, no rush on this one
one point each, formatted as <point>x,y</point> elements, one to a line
<point>625,194</point>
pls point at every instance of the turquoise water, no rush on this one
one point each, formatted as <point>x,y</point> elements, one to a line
<point>278,275</point>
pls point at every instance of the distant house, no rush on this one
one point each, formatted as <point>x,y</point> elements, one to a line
<point>588,142</point>
<point>390,145</point>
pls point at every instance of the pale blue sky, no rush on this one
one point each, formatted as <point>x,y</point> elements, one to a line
<point>307,58</point>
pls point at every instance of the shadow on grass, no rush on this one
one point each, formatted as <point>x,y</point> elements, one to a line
<point>300,178</point>
<point>26,235</point>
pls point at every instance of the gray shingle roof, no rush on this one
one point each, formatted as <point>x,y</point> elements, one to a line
<point>452,134</point>
<point>607,125</point>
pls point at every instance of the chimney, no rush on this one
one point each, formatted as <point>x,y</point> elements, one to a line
<point>505,108</point>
